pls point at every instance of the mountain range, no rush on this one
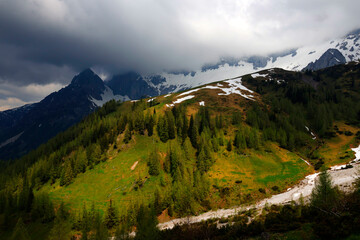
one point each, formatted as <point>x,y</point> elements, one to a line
<point>23,129</point>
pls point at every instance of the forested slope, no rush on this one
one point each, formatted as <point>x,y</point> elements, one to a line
<point>219,145</point>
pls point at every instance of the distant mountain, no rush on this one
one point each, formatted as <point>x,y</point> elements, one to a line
<point>229,67</point>
<point>25,128</point>
<point>330,58</point>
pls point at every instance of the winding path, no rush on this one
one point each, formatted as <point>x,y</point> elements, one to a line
<point>344,178</point>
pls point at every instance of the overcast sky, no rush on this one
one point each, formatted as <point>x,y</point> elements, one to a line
<point>44,43</point>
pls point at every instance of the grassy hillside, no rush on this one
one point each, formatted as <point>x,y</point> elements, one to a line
<point>227,143</point>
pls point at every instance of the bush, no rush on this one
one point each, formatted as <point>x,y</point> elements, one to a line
<point>262,190</point>
<point>348,133</point>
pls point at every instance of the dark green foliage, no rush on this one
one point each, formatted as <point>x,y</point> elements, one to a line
<point>204,158</point>
<point>175,165</point>
<point>43,208</point>
<point>67,173</point>
<point>25,198</point>
<point>162,129</point>
<point>204,118</point>
<point>324,196</point>
<point>60,230</point>
<point>170,124</point>
<point>219,121</point>
<point>154,163</point>
<point>146,224</point>
<point>111,217</point>
<point>236,118</point>
<point>193,132</point>
<point>229,146</point>
<point>240,140</point>
<point>149,123</point>
<point>127,136</point>
<point>20,232</point>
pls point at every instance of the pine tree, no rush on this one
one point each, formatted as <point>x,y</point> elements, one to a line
<point>162,129</point>
<point>146,224</point>
<point>154,163</point>
<point>111,217</point>
<point>61,230</point>
<point>170,124</point>
<point>62,213</point>
<point>229,146</point>
<point>157,202</point>
<point>67,174</point>
<point>100,228</point>
<point>85,223</point>
<point>184,128</point>
<point>324,196</point>
<point>20,232</point>
<point>127,136</point>
<point>193,132</point>
<point>150,124</point>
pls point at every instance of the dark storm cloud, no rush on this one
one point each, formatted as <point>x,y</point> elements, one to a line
<point>45,42</point>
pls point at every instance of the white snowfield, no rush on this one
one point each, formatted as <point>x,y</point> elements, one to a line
<point>294,61</point>
<point>343,178</point>
<point>255,75</point>
<point>234,87</point>
<point>106,96</point>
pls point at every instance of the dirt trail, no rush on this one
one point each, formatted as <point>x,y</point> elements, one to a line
<point>344,178</point>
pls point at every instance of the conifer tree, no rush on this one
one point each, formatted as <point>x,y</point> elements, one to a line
<point>100,228</point>
<point>324,196</point>
<point>150,124</point>
<point>154,163</point>
<point>85,223</point>
<point>229,146</point>
<point>157,202</point>
<point>127,136</point>
<point>146,224</point>
<point>111,217</point>
<point>67,174</point>
<point>170,124</point>
<point>193,132</point>
<point>60,230</point>
<point>184,128</point>
<point>20,232</point>
<point>162,129</point>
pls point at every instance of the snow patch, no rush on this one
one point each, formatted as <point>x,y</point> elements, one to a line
<point>106,96</point>
<point>357,153</point>
<point>11,140</point>
<point>312,134</point>
<point>202,103</point>
<point>255,75</point>
<point>235,85</point>
<point>188,92</point>
<point>183,99</point>
<point>306,162</point>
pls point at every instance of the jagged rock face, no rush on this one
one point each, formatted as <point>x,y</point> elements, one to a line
<point>37,123</point>
<point>330,58</point>
<point>132,85</point>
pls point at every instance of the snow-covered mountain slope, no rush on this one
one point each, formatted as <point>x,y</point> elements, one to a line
<point>106,96</point>
<point>295,60</point>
